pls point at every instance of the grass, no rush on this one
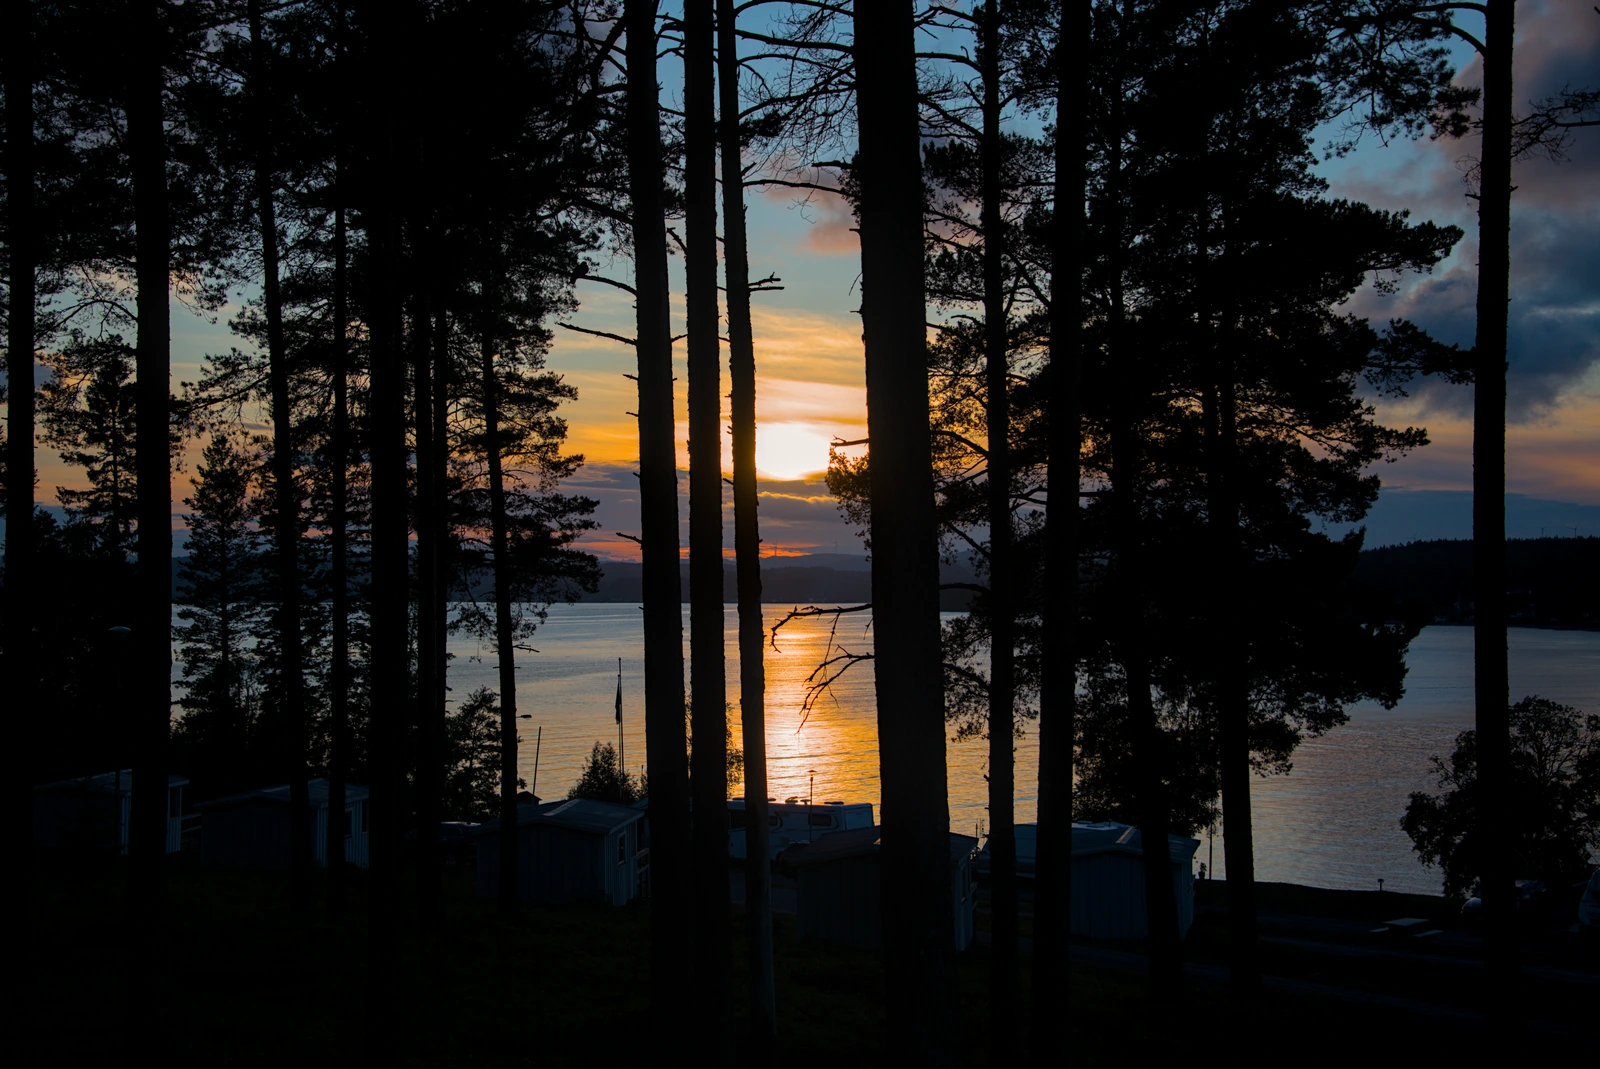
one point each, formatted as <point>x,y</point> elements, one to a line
<point>250,984</point>
<point>1372,906</point>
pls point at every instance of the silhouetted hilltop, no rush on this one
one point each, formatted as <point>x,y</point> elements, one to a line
<point>1551,582</point>
<point>819,579</point>
<point>1554,582</point>
<point>816,579</point>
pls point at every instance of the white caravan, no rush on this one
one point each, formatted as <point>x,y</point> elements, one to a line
<point>796,822</point>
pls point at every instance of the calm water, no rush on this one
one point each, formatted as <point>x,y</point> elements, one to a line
<point>569,688</point>
<point>1332,822</point>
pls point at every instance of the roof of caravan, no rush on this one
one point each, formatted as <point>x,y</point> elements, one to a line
<point>837,845</point>
<point>1110,837</point>
<point>105,782</point>
<point>317,791</point>
<point>578,814</point>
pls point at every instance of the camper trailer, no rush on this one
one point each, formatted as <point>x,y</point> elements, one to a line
<point>796,822</point>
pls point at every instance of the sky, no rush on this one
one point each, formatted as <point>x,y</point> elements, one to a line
<point>810,370</point>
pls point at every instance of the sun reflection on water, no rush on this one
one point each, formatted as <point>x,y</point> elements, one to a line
<point>569,689</point>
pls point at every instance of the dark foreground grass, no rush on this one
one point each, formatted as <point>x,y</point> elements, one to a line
<point>252,985</point>
<point>1373,906</point>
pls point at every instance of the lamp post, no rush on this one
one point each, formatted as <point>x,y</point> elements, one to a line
<point>811,794</point>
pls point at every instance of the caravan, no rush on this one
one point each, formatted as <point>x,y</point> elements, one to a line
<point>796,822</point>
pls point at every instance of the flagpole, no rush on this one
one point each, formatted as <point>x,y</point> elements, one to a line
<point>538,743</point>
<point>622,746</point>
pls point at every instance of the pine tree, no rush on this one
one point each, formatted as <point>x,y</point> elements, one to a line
<point>916,817</point>
<point>471,758</point>
<point>671,949</point>
<point>604,780</point>
<point>220,587</point>
<point>89,415</point>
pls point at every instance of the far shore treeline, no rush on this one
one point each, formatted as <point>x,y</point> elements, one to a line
<point>1554,582</point>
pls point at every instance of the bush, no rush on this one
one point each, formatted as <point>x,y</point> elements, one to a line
<point>472,758</point>
<point>1553,801</point>
<point>604,780</point>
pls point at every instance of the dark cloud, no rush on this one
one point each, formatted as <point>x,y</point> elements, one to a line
<point>1554,329</point>
<point>1553,334</point>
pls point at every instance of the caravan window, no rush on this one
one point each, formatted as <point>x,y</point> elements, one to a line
<point>821,820</point>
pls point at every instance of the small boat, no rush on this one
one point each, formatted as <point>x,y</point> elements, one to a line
<point>796,822</point>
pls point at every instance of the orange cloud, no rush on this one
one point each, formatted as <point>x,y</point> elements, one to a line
<point>810,388</point>
<point>1556,456</point>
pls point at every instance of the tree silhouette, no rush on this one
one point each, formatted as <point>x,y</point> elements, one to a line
<point>1555,761</point>
<point>471,758</point>
<point>1058,682</point>
<point>21,255</point>
<point>221,616</point>
<point>286,492</point>
<point>603,779</point>
<point>905,574</point>
<point>1380,47</point>
<point>385,32</point>
<point>707,670</point>
<point>89,406</point>
<point>670,946</point>
<point>732,137</point>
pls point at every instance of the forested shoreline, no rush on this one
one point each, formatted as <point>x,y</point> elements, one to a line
<point>1553,580</point>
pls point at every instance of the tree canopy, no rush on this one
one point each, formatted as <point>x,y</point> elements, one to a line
<point>1553,807</point>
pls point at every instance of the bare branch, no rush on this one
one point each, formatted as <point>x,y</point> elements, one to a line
<point>598,333</point>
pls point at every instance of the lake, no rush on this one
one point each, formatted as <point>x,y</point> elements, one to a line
<point>1333,822</point>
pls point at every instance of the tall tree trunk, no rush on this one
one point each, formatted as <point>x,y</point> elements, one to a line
<point>339,563</point>
<point>708,776</point>
<point>1492,688</point>
<point>1002,638</point>
<point>917,917</point>
<point>747,552</point>
<point>505,646</point>
<point>150,670</point>
<point>429,770</point>
<point>19,671</point>
<point>233,731</point>
<point>1058,689</point>
<point>444,561</point>
<point>1230,566</point>
<point>390,536</point>
<point>671,946</point>
<point>286,494</point>
<point>1232,700</point>
<point>1166,965</point>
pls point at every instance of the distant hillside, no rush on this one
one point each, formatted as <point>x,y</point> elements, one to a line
<point>821,579</point>
<point>1551,582</point>
<point>789,583</point>
<point>785,580</point>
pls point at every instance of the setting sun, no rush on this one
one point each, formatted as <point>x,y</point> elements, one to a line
<point>791,450</point>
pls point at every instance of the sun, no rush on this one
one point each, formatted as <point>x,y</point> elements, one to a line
<point>791,450</point>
